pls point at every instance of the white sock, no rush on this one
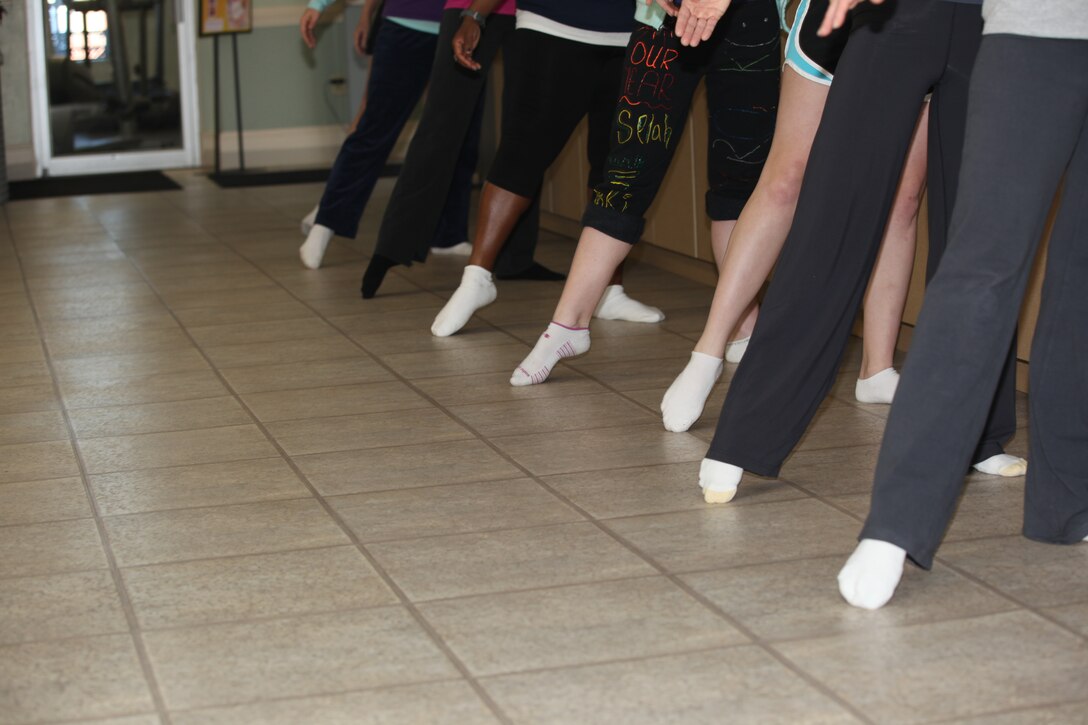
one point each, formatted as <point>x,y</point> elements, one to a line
<point>476,291</point>
<point>309,220</point>
<point>616,305</point>
<point>719,480</point>
<point>557,342</point>
<point>313,249</point>
<point>879,388</point>
<point>684,400</point>
<point>463,249</point>
<point>734,351</point>
<point>1003,465</point>
<point>871,574</point>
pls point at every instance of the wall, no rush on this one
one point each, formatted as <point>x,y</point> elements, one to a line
<point>15,89</point>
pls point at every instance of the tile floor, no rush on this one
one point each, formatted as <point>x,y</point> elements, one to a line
<point>233,492</point>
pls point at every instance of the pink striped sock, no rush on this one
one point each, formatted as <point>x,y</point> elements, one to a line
<point>557,342</point>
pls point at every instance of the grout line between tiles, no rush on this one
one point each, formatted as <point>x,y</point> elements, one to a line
<point>151,681</point>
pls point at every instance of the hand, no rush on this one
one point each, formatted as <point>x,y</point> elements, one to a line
<point>362,32</point>
<point>836,14</point>
<point>668,5</point>
<point>306,26</point>
<point>465,42</point>
<point>696,20</point>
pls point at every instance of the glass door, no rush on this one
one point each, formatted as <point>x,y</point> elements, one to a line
<point>114,85</point>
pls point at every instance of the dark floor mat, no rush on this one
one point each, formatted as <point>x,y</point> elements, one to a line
<point>123,183</point>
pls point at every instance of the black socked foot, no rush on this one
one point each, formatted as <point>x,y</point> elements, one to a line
<point>537,272</point>
<point>375,274</point>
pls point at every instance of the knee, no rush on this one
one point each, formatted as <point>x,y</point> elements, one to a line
<point>784,185</point>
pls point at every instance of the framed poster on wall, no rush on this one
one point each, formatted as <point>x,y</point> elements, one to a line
<point>218,17</point>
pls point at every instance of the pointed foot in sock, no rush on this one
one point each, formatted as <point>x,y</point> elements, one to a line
<point>616,305</point>
<point>308,221</point>
<point>1004,465</point>
<point>476,291</point>
<point>734,351</point>
<point>879,388</point>
<point>719,480</point>
<point>313,249</point>
<point>375,275</point>
<point>536,273</point>
<point>557,342</point>
<point>684,400</point>
<point>462,249</point>
<point>871,574</point>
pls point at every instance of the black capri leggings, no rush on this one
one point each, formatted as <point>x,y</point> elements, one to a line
<point>556,82</point>
<point>741,65</point>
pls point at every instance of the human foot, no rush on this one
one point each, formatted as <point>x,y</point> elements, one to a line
<point>557,342</point>
<point>684,400</point>
<point>879,388</point>
<point>616,305</point>
<point>871,574</point>
<point>476,291</point>
<point>719,480</point>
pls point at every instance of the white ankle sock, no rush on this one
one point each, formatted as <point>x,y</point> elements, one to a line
<point>463,249</point>
<point>1003,464</point>
<point>684,400</point>
<point>313,249</point>
<point>476,291</point>
<point>616,305</point>
<point>557,342</point>
<point>734,351</point>
<point>719,480</point>
<point>879,388</point>
<point>871,574</point>
<point>308,221</point>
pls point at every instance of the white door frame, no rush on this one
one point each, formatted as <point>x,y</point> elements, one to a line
<point>49,165</point>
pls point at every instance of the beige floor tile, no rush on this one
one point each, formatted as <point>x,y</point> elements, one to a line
<point>19,374</point>
<point>374,322</point>
<point>240,314</point>
<point>21,352</point>
<point>543,415</point>
<point>241,333</point>
<point>467,564</point>
<point>170,289</point>
<point>1069,714</point>
<point>76,678</point>
<point>949,669</point>
<point>203,484</point>
<point>655,489</point>
<point>217,531</point>
<point>329,347</point>
<point>1074,615</point>
<point>475,335</point>
<point>724,536</point>
<point>402,467</point>
<point>113,325</point>
<point>1041,575</point>
<point>36,461</point>
<point>373,430</point>
<point>628,375</point>
<point>254,587</point>
<point>32,427</point>
<point>22,331</point>
<point>496,387</point>
<point>87,344</point>
<point>304,375</point>
<point>842,426</point>
<point>40,501</point>
<point>181,298</point>
<point>50,548</point>
<point>665,346</point>
<point>158,417</point>
<point>455,509</point>
<point>334,401</point>
<point>293,657</point>
<point>177,448</point>
<point>800,599</point>
<point>737,684</point>
<point>436,703</point>
<point>28,399</point>
<point>833,471</point>
<point>521,631</point>
<point>571,451</point>
<point>128,366</point>
<point>59,606</point>
<point>156,388</point>
<point>457,361</point>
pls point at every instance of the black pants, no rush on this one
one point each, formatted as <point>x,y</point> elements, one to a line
<point>896,53</point>
<point>1027,125</point>
<point>555,83</point>
<point>445,144</point>
<point>741,65</point>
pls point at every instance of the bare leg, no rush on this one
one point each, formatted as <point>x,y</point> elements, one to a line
<point>888,288</point>
<point>751,250</point>
<point>499,212</point>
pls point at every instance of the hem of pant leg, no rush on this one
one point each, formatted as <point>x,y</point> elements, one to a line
<point>615,224</point>
<point>986,450</point>
<point>340,232</point>
<point>759,468</point>
<point>920,555</point>
<point>1061,539</point>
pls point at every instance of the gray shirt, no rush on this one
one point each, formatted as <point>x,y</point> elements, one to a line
<point>1038,18</point>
